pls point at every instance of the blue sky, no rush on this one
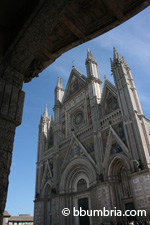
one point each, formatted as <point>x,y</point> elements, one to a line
<point>132,40</point>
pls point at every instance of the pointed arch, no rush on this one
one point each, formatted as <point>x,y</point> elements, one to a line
<point>124,148</point>
<point>46,190</point>
<point>77,169</point>
<point>48,171</point>
<point>116,163</point>
<point>118,171</point>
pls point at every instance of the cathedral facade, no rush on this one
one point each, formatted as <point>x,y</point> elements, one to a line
<point>96,151</point>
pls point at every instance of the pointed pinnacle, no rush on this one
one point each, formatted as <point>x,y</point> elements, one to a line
<point>58,82</point>
<point>61,83</point>
<point>89,55</point>
<point>45,111</point>
<point>116,54</point>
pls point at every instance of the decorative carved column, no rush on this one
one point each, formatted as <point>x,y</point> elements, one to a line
<point>11,107</point>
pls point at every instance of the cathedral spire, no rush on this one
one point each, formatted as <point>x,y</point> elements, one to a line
<point>45,112</point>
<point>61,86</point>
<point>89,55</point>
<point>91,66</point>
<point>116,55</point>
<point>123,78</point>
<point>116,59</point>
<point>94,83</point>
<point>59,91</point>
<point>58,83</point>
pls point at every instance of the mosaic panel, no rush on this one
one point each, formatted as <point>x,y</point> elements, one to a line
<point>115,146</point>
<point>110,103</point>
<point>76,151</point>
<point>120,131</point>
<point>74,86</point>
<point>89,146</point>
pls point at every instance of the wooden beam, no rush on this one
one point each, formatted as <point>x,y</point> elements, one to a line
<point>46,52</point>
<point>114,9</point>
<point>115,23</point>
<point>72,27</point>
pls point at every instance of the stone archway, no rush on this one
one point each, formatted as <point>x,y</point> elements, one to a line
<point>78,176</point>
<point>118,175</point>
<point>75,170</point>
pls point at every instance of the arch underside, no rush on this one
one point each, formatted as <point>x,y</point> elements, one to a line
<point>63,26</point>
<point>77,169</point>
<point>116,163</point>
<point>118,172</point>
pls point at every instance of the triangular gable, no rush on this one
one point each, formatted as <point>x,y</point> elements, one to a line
<point>109,100</point>
<point>108,86</point>
<point>75,83</point>
<point>114,148</point>
<point>48,172</point>
<point>76,149</point>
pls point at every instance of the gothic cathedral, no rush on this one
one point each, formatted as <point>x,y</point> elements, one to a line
<point>96,151</point>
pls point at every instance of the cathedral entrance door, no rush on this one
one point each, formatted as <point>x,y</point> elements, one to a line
<point>130,206</point>
<point>83,203</point>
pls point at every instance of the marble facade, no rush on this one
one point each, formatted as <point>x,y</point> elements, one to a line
<point>96,150</point>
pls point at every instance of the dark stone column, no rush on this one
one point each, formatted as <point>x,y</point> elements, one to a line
<point>11,107</point>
